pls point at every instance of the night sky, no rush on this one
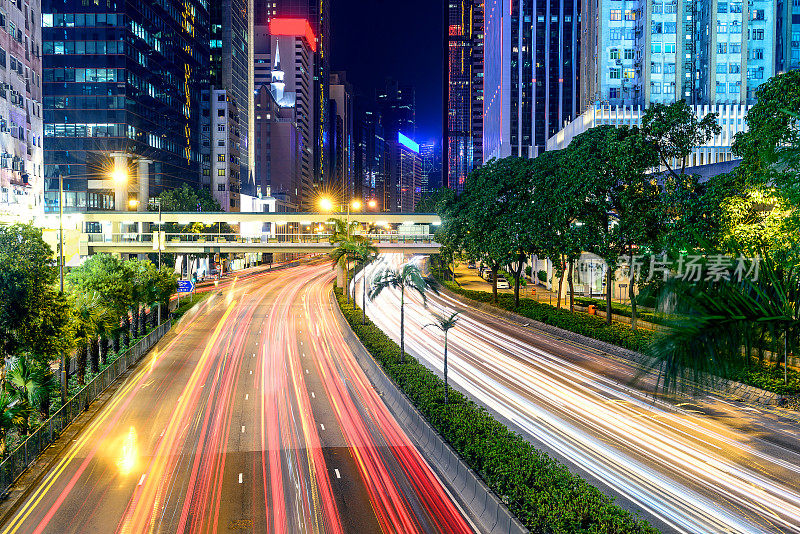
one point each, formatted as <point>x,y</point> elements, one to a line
<point>375,39</point>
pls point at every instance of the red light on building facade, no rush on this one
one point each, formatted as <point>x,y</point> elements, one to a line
<point>294,27</point>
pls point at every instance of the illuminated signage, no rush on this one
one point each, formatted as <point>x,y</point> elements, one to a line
<point>295,28</point>
<point>408,142</point>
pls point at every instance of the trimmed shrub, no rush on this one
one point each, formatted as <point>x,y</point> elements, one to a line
<point>539,491</point>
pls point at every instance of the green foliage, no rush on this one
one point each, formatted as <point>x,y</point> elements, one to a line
<point>32,314</point>
<point>187,199</point>
<point>540,492</point>
<point>675,131</point>
<point>542,276</point>
<point>717,325</point>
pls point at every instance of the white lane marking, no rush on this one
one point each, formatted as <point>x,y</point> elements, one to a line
<point>337,473</point>
<point>304,355</point>
<point>306,371</point>
<point>246,396</point>
<point>161,436</point>
<point>312,395</point>
<point>242,429</point>
<point>251,372</point>
<point>323,426</point>
<point>240,478</point>
<point>141,480</point>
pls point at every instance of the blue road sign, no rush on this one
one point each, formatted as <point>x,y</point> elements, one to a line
<point>185,286</point>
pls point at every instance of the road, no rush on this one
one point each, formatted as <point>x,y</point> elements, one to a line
<point>251,414</point>
<point>703,467</point>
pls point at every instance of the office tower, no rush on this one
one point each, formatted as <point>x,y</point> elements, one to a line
<point>317,13</point>
<point>396,104</point>
<point>431,155</point>
<point>232,71</point>
<point>404,175</point>
<point>276,144</point>
<point>369,157</point>
<point>531,78</point>
<point>123,80</point>
<point>339,173</point>
<point>787,35</point>
<point>463,90</point>
<point>222,148</point>
<point>707,53</point>
<point>287,48</point>
<point>21,160</point>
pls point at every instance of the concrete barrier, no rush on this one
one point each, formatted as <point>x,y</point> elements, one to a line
<point>482,505</point>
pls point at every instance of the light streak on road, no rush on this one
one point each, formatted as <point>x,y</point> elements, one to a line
<point>169,451</point>
<point>692,473</point>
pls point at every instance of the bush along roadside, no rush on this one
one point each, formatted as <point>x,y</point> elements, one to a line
<point>539,491</point>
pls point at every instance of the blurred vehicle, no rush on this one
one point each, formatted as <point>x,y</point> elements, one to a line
<point>502,283</point>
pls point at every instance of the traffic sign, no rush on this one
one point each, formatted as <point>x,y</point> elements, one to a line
<point>185,286</point>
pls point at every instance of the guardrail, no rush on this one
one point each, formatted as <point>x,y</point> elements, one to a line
<point>24,455</point>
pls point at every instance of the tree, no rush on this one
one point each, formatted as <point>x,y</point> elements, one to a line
<point>30,307</point>
<point>31,386</point>
<point>341,257</point>
<point>560,198</point>
<point>90,316</point>
<point>433,201</point>
<point>623,207</point>
<point>718,324</point>
<point>8,414</point>
<point>445,324</point>
<point>409,276</point>
<point>365,253</point>
<point>107,276</point>
<point>494,218</point>
<point>675,132</point>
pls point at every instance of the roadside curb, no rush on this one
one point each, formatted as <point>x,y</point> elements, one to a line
<point>726,388</point>
<point>485,508</point>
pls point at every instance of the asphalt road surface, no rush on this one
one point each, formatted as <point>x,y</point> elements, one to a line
<point>250,415</point>
<point>705,466</point>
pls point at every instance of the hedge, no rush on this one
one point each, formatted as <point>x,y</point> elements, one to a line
<point>624,310</point>
<point>539,491</point>
<point>586,325</point>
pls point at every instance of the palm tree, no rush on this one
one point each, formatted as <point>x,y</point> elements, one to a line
<point>31,386</point>
<point>341,257</point>
<point>444,324</point>
<point>365,254</point>
<point>408,276</point>
<point>344,231</point>
<point>718,326</point>
<point>91,316</point>
<point>7,416</point>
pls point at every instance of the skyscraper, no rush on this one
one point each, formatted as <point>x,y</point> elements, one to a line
<point>284,56</point>
<point>369,158</point>
<point>403,188</point>
<point>231,70</point>
<point>21,159</point>
<point>431,155</point>
<point>127,80</point>
<point>397,106</point>
<point>531,78</point>
<point>463,90</point>
<point>317,13</point>
<point>787,35</point>
<point>707,53</point>
<point>339,175</point>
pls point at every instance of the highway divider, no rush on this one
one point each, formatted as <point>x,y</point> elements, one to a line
<point>480,457</point>
<point>49,431</point>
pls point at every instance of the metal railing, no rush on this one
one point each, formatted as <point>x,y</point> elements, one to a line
<point>176,239</point>
<point>24,455</point>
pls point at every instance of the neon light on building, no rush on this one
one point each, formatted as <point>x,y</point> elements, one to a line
<point>408,142</point>
<point>296,28</point>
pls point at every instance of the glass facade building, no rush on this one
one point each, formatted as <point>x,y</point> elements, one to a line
<point>463,92</point>
<point>532,79</point>
<point>122,77</point>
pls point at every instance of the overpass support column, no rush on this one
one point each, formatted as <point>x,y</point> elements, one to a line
<point>143,176</point>
<point>340,276</point>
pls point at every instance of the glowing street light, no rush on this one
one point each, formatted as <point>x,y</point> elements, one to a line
<point>326,204</point>
<point>356,204</point>
<point>120,176</point>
